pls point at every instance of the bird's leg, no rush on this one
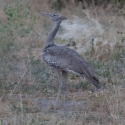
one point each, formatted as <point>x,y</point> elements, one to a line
<point>65,84</point>
<point>57,72</point>
<point>60,88</point>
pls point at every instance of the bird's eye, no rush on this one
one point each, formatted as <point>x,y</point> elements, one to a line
<point>54,14</point>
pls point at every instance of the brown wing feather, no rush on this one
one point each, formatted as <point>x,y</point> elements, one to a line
<point>68,60</point>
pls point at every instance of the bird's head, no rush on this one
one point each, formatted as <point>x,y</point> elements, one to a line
<point>55,16</point>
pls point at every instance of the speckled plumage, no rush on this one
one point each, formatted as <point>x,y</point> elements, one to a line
<point>63,59</point>
<point>66,59</point>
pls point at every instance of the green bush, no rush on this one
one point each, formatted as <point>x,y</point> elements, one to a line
<point>19,22</point>
<point>57,4</point>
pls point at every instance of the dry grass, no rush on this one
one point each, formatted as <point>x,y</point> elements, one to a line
<point>29,87</point>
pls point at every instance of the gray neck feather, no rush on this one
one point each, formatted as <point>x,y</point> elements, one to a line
<point>52,33</point>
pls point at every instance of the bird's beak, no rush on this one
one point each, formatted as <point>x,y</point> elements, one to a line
<point>46,14</point>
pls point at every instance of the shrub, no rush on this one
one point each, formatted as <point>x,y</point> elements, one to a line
<point>19,22</point>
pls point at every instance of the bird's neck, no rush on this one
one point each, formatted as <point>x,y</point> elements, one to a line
<point>52,33</point>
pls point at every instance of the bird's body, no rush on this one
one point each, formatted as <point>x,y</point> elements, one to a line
<point>68,60</point>
<point>63,59</point>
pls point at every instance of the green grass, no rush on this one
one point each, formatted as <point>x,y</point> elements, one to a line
<point>25,79</point>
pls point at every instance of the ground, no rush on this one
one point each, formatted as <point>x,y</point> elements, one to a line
<point>28,87</point>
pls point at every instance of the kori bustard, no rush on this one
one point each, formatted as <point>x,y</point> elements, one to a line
<point>62,59</point>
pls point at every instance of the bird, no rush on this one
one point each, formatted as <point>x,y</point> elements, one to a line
<point>63,60</point>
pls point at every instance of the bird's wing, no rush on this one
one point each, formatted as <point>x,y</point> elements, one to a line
<point>57,56</point>
<point>68,59</point>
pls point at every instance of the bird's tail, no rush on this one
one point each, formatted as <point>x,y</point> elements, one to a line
<point>91,76</point>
